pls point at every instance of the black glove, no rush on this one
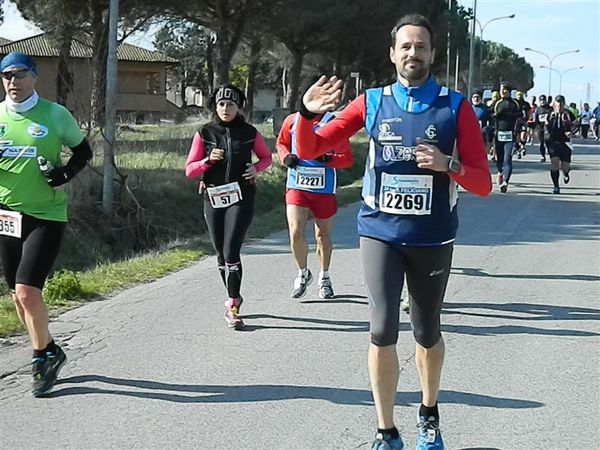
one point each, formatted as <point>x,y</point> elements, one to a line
<point>290,161</point>
<point>325,158</point>
<point>59,176</point>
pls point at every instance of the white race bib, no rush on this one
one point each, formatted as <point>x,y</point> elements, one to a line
<point>543,118</point>
<point>10,223</point>
<point>310,177</point>
<point>225,195</point>
<point>505,136</point>
<point>406,194</point>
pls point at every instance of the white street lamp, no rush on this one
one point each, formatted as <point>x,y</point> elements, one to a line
<point>560,74</point>
<point>481,29</point>
<point>550,60</point>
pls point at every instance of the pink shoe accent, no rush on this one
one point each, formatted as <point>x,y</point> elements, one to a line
<point>232,302</point>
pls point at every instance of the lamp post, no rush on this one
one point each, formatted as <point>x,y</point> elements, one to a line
<point>560,74</point>
<point>472,52</point>
<point>550,60</point>
<point>481,29</point>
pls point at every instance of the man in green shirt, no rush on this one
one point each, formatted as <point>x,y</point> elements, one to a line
<point>33,212</point>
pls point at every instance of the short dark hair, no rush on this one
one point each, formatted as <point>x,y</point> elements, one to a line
<point>476,92</point>
<point>413,19</point>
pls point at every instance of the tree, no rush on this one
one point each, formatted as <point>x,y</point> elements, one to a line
<point>189,43</point>
<point>503,64</point>
<point>308,32</point>
<point>226,18</point>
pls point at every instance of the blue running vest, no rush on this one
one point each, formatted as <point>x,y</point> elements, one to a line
<point>402,203</point>
<point>310,175</point>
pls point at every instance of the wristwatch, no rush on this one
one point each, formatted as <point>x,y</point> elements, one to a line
<point>453,165</point>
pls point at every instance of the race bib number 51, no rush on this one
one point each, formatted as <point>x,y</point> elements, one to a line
<point>10,223</point>
<point>406,194</point>
<point>225,195</point>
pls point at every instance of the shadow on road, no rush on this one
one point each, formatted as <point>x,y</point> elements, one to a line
<point>528,311</point>
<point>198,393</point>
<point>474,272</point>
<point>329,325</point>
<point>339,299</point>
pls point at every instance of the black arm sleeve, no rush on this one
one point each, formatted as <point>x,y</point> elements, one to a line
<point>82,153</point>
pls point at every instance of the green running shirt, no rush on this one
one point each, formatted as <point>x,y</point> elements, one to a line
<point>41,131</point>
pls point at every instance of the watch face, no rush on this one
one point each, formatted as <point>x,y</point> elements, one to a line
<point>453,166</point>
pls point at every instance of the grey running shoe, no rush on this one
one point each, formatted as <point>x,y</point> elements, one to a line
<point>325,288</point>
<point>45,372</point>
<point>301,282</point>
<point>556,190</point>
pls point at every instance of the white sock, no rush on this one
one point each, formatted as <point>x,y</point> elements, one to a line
<point>302,272</point>
<point>323,274</point>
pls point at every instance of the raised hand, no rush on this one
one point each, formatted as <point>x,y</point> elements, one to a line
<point>324,95</point>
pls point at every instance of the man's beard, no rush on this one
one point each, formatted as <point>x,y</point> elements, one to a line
<point>416,74</point>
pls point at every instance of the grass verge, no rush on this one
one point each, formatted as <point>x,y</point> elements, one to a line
<point>67,289</point>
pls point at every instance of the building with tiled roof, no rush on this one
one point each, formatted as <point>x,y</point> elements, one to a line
<point>141,85</point>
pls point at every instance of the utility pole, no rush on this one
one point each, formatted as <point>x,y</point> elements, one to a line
<point>456,71</point>
<point>472,52</point>
<point>110,111</point>
<point>448,45</point>
<point>588,92</point>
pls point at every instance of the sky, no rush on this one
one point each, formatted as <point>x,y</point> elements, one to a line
<point>548,26</point>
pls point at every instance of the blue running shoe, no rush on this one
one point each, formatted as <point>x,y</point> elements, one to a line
<point>429,437</point>
<point>386,442</point>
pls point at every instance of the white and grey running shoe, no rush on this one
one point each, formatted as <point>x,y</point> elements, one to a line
<point>325,288</point>
<point>301,282</point>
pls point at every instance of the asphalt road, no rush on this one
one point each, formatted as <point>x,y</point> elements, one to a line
<point>156,367</point>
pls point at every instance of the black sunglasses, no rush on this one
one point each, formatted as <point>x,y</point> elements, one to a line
<point>18,74</point>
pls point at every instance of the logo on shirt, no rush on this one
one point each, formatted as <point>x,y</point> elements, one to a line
<point>386,134</point>
<point>17,151</point>
<point>3,129</point>
<point>431,132</point>
<point>397,153</point>
<point>392,119</point>
<point>36,130</point>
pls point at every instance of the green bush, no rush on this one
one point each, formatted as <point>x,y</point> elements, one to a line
<point>64,286</point>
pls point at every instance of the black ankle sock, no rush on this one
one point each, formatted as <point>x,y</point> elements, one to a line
<point>393,432</point>
<point>51,347</point>
<point>429,411</point>
<point>554,174</point>
<point>39,354</point>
